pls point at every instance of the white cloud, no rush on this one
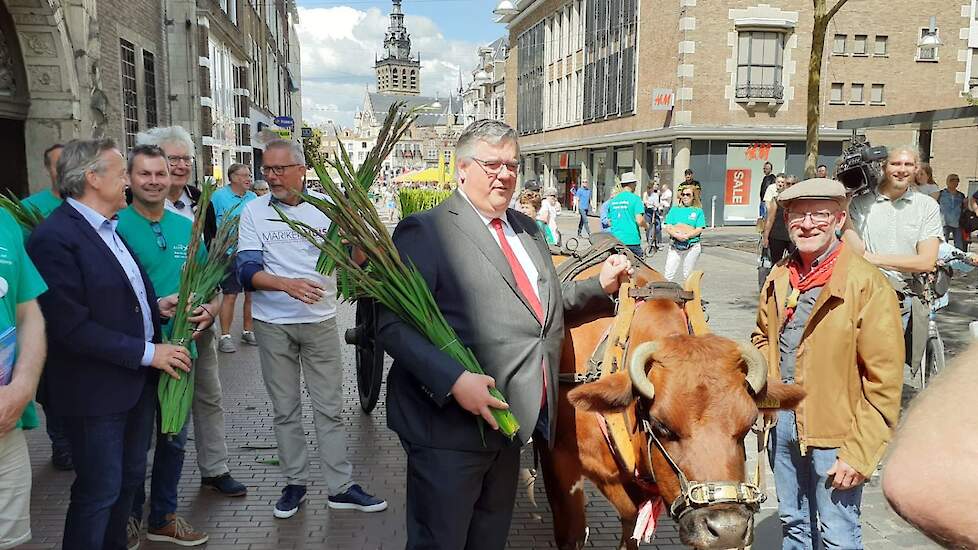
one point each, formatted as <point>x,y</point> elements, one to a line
<point>338,46</point>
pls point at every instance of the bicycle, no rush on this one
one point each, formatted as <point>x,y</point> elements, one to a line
<point>934,287</point>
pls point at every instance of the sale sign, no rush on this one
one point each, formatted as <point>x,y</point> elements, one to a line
<point>738,187</point>
<point>745,172</point>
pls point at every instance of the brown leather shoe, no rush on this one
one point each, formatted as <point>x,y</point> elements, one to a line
<point>177,531</point>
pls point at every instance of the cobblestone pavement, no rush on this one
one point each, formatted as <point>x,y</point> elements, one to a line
<point>730,287</point>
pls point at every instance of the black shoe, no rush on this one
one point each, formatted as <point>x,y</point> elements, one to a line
<point>356,498</point>
<point>61,460</point>
<point>224,484</point>
<point>288,503</point>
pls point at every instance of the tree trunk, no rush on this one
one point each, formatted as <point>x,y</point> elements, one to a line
<point>822,18</point>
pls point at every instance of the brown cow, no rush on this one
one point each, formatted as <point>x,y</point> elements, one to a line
<point>701,412</point>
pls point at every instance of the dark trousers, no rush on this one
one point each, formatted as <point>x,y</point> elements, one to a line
<point>109,453</point>
<point>167,466</point>
<point>778,249</point>
<point>460,499</point>
<point>55,426</point>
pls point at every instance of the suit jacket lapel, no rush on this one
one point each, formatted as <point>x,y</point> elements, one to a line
<point>470,223</point>
<point>532,246</point>
<point>89,231</point>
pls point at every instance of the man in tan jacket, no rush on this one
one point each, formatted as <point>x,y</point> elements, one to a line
<point>829,321</point>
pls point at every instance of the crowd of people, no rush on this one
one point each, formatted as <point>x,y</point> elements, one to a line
<point>89,293</point>
<point>88,296</point>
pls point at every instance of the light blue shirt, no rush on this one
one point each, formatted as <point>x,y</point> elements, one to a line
<point>106,231</point>
<point>226,203</point>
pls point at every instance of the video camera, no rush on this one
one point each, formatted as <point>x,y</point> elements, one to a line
<point>860,166</point>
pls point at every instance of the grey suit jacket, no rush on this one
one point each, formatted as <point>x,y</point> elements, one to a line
<point>474,287</point>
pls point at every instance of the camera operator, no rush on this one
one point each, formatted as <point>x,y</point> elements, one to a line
<point>898,230</point>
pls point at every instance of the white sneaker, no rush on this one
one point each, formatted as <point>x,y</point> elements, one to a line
<point>225,344</point>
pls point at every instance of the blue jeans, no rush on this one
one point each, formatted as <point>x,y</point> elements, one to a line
<point>109,453</point>
<point>811,511</point>
<point>582,226</point>
<point>167,465</point>
<point>636,249</point>
<point>954,234</point>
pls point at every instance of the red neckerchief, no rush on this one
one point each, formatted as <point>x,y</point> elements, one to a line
<point>815,278</point>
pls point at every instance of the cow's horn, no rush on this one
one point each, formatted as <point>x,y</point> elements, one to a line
<point>636,369</point>
<point>756,367</point>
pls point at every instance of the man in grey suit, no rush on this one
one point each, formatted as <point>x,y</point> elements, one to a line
<point>490,271</point>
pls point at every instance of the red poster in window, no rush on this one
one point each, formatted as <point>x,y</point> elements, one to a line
<point>563,161</point>
<point>738,187</point>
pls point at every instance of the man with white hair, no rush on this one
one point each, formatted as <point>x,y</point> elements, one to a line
<point>208,413</point>
<point>294,310</point>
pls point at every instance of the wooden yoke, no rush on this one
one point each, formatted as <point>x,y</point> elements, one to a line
<point>694,307</point>
<point>619,434</point>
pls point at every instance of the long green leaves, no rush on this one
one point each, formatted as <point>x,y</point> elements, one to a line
<point>410,200</point>
<point>199,280</point>
<point>387,278</point>
<point>27,216</point>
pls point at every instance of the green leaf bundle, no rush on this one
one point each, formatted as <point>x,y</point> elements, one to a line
<point>387,278</point>
<point>410,201</point>
<point>199,280</point>
<point>26,215</point>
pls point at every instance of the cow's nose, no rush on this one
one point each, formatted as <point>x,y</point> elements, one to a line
<point>716,527</point>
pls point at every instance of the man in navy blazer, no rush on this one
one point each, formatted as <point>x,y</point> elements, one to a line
<point>103,336</point>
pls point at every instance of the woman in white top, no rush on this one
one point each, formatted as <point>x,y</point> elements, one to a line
<point>549,211</point>
<point>925,181</point>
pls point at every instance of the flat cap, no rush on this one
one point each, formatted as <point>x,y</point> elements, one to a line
<point>815,188</point>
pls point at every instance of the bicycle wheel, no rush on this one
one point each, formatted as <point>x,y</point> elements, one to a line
<point>369,355</point>
<point>933,360</point>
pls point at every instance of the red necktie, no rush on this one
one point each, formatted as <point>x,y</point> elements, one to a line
<point>526,289</point>
<point>522,281</point>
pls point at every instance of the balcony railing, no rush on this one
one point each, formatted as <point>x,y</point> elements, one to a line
<point>749,91</point>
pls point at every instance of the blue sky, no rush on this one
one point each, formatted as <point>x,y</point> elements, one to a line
<point>339,39</point>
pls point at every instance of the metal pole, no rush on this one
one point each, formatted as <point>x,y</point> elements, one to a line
<point>713,212</point>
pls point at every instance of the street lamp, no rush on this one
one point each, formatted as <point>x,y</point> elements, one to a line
<point>505,8</point>
<point>930,38</point>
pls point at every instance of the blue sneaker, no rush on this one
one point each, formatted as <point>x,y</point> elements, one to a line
<point>288,503</point>
<point>356,499</point>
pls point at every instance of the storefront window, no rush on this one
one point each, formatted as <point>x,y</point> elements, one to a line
<point>745,171</point>
<point>624,162</point>
<point>659,161</point>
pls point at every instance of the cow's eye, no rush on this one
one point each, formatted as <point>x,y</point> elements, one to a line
<point>663,431</point>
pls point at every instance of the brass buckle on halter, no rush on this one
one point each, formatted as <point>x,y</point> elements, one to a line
<point>706,494</point>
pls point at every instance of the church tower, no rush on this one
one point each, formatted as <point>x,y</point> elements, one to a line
<point>397,71</point>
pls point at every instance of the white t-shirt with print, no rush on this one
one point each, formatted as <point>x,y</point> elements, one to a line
<point>287,254</point>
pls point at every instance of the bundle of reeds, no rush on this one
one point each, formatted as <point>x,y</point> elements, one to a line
<point>394,283</point>
<point>26,215</point>
<point>411,200</point>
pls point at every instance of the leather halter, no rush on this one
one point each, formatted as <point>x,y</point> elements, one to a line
<point>693,495</point>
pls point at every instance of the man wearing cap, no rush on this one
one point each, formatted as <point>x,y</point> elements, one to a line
<point>828,320</point>
<point>626,212</point>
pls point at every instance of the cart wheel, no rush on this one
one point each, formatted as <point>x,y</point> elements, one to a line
<point>369,354</point>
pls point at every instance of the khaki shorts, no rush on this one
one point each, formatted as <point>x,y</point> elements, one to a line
<point>15,490</point>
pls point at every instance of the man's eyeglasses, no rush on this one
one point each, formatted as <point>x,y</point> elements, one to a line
<point>821,217</point>
<point>158,231</point>
<point>277,170</point>
<point>494,167</point>
<point>175,159</point>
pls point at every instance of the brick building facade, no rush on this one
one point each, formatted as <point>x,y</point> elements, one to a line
<point>224,69</point>
<point>600,87</point>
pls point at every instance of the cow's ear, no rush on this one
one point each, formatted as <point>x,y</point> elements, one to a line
<point>777,395</point>
<point>609,394</point>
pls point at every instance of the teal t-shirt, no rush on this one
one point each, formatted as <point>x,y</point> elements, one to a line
<point>623,208</point>
<point>163,265</point>
<point>687,215</point>
<point>23,284</point>
<point>226,203</point>
<point>546,232</point>
<point>45,201</point>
